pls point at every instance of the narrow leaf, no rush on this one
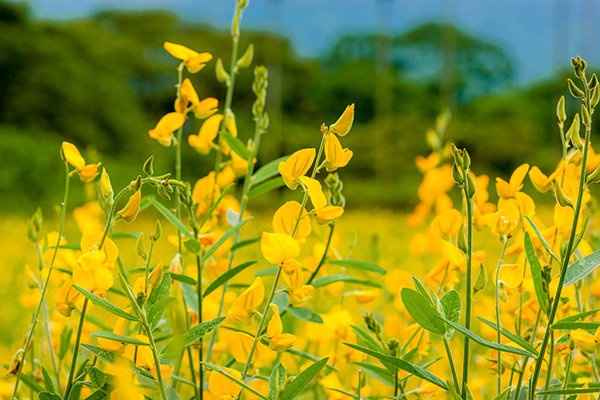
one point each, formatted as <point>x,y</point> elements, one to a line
<point>302,380</point>
<point>541,237</point>
<point>228,275</point>
<point>508,334</point>
<point>359,265</point>
<point>238,382</point>
<point>244,243</point>
<point>105,304</point>
<point>582,268</point>
<point>536,274</point>
<point>328,280</point>
<point>422,311</point>
<point>223,238</point>
<point>267,171</point>
<point>193,334</point>
<point>119,338</point>
<point>235,144</point>
<point>266,187</point>
<point>172,218</point>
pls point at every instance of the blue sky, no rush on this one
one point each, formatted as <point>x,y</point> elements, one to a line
<point>538,35</point>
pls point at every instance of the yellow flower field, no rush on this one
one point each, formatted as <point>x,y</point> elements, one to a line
<point>169,288</point>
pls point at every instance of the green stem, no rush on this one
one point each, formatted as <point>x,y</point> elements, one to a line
<point>46,283</point>
<point>568,371</point>
<point>525,358</point>
<point>564,265</point>
<point>161,383</point>
<point>76,350</point>
<point>498,326</point>
<point>468,286</point>
<point>451,362</point>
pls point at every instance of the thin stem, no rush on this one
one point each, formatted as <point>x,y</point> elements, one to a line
<point>46,283</point>
<point>468,286</point>
<point>451,362</point>
<point>525,358</point>
<point>498,327</point>
<point>76,350</point>
<point>565,263</point>
<point>568,371</point>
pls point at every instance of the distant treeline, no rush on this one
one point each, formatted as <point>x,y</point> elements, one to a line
<point>103,82</point>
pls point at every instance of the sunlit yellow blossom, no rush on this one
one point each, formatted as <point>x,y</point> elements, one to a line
<point>240,348</point>
<point>193,60</point>
<point>332,381</point>
<point>278,340</point>
<point>286,217</point>
<point>324,214</point>
<point>205,191</point>
<point>86,172</point>
<point>92,271</point>
<point>201,109</point>
<point>511,275</point>
<point>584,340</point>
<point>505,220</point>
<point>425,164</point>
<point>223,387</point>
<point>132,208</point>
<point>508,189</point>
<point>66,298</point>
<point>146,359</point>
<point>344,123</point>
<point>542,182</point>
<point>278,247</point>
<point>163,132</point>
<point>447,223</point>
<point>202,142</point>
<point>295,166</point>
<point>336,156</point>
<point>298,292</point>
<point>243,307</point>
<point>113,345</point>
<point>452,253</point>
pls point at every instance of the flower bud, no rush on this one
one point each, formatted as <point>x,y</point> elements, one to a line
<point>344,123</point>
<point>393,347</point>
<point>230,124</point>
<point>593,81</point>
<point>140,247</point>
<point>137,184</point>
<point>149,166</point>
<point>595,96</point>
<point>246,59</point>
<point>471,186</point>
<point>156,275</point>
<point>481,281</point>
<point>585,116</point>
<point>575,91</point>
<point>157,231</point>
<point>457,176</point>
<point>105,186</point>
<point>132,208</point>
<point>561,197</point>
<point>573,134</point>
<point>560,111</point>
<point>264,122</point>
<point>162,192</point>
<point>222,75</point>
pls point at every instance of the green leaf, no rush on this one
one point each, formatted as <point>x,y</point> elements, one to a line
<point>216,203</point>
<point>227,276</point>
<point>276,380</point>
<point>65,342</point>
<point>155,310</point>
<point>490,345</point>
<point>97,377</point>
<point>267,171</point>
<point>559,392</point>
<point>295,387</point>
<point>162,290</point>
<point>31,382</point>
<point>223,238</point>
<point>330,279</point>
<point>402,364</point>
<point>48,384</point>
<point>452,305</point>
<point>172,394</point>
<point>421,288</point>
<point>98,395</point>
<point>116,359</point>
<point>235,144</point>
<point>244,243</point>
<point>172,218</point>
<point>266,186</point>
<point>508,334</point>
<point>582,268</point>
<point>577,317</point>
<point>48,396</point>
<point>422,311</point>
<point>119,338</point>
<point>359,265</point>
<point>183,278</point>
<point>190,296</point>
<point>376,372</point>
<point>575,325</point>
<point>193,334</point>
<point>193,246</point>
<point>366,337</point>
<point>504,395</point>
<point>105,304</point>
<point>541,237</point>
<point>124,235</point>
<point>309,356</point>
<point>305,314</point>
<point>536,274</point>
<point>240,383</point>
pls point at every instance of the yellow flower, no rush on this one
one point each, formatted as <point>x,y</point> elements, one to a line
<point>202,109</point>
<point>92,271</point>
<point>242,308</point>
<point>194,61</point>
<point>511,275</point>
<point>542,182</point>
<point>507,190</point>
<point>344,123</point>
<point>202,142</point>
<point>123,393</point>
<point>241,345</point>
<point>66,298</point>
<point>112,345</point>
<point>295,166</point>
<point>278,340</point>
<point>278,247</point>
<point>332,381</point>
<point>86,173</point>
<point>223,387</point>
<point>163,132</point>
<point>447,223</point>
<point>584,340</point>
<point>147,362</point>
<point>297,291</point>
<point>452,253</point>
<point>285,220</point>
<point>205,192</point>
<point>505,220</point>
<point>132,208</point>
<point>336,156</point>
<point>425,164</point>
<point>324,214</point>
